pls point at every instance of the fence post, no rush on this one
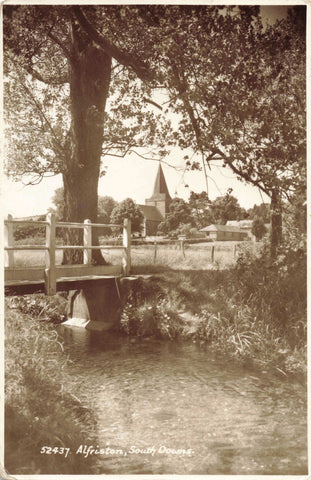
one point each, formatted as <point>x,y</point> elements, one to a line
<point>234,251</point>
<point>50,271</point>
<point>127,246</point>
<point>155,252</point>
<point>87,242</point>
<point>213,254</point>
<point>182,247</point>
<point>9,242</point>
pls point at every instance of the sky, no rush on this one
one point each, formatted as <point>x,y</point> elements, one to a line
<point>134,177</point>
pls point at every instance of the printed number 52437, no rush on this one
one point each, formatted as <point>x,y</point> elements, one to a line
<point>55,451</point>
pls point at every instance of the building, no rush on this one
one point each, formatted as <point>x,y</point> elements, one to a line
<point>157,206</point>
<point>224,233</point>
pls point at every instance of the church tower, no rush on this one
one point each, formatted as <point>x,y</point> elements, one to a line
<point>160,198</point>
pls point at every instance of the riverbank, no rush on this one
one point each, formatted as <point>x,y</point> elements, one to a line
<point>41,408</point>
<point>206,308</point>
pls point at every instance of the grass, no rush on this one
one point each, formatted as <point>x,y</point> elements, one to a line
<point>194,256</point>
<point>40,406</point>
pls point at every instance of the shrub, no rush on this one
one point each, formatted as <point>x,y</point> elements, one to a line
<point>41,307</point>
<point>25,231</point>
<point>151,318</point>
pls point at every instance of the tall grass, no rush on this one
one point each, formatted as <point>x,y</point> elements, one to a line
<point>40,406</point>
<point>253,311</point>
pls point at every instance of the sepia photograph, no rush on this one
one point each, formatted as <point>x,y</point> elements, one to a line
<point>154,220</point>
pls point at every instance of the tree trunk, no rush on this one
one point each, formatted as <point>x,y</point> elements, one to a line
<point>276,223</point>
<point>90,73</point>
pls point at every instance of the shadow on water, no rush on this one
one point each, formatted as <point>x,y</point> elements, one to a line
<point>195,412</point>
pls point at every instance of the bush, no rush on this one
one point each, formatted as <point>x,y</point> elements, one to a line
<point>41,307</point>
<point>22,232</point>
<point>151,310</point>
<point>151,318</point>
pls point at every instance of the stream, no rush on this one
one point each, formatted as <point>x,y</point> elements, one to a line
<point>173,408</point>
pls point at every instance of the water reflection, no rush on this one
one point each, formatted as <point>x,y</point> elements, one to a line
<point>149,393</point>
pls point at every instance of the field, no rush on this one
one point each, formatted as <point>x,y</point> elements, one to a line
<point>155,256</point>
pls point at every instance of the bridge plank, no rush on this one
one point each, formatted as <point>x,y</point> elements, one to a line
<point>27,287</point>
<point>33,274</point>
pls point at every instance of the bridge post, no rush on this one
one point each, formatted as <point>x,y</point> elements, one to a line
<point>126,261</point>
<point>87,242</point>
<point>9,242</point>
<point>50,271</point>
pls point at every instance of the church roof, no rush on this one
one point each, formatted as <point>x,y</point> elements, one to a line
<point>160,184</point>
<point>151,212</point>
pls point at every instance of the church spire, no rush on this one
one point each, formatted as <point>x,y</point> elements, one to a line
<point>160,198</point>
<point>160,184</point>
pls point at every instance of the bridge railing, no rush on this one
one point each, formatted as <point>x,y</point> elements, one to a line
<point>50,273</point>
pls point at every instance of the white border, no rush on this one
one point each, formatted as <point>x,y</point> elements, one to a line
<point>307,3</point>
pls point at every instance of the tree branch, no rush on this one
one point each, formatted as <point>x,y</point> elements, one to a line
<point>148,100</point>
<point>47,80</point>
<point>42,115</point>
<point>142,70</point>
<point>38,76</point>
<point>238,172</point>
<point>60,44</point>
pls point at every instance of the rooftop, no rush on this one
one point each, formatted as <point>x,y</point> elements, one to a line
<point>220,228</point>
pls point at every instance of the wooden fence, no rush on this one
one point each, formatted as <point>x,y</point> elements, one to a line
<point>50,273</point>
<point>182,245</point>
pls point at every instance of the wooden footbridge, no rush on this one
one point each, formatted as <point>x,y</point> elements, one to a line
<point>50,277</point>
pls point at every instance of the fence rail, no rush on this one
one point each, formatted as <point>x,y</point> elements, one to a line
<point>50,273</point>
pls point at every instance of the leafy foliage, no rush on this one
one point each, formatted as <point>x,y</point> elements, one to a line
<point>260,211</point>
<point>179,213</point>
<point>128,209</point>
<point>248,108</point>
<point>151,319</point>
<point>275,290</point>
<point>226,208</point>
<point>199,204</point>
<point>258,228</point>
<point>21,232</point>
<point>106,205</point>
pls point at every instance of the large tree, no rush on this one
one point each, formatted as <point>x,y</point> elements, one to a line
<point>200,211</point>
<point>226,208</point>
<point>61,64</point>
<point>179,214</point>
